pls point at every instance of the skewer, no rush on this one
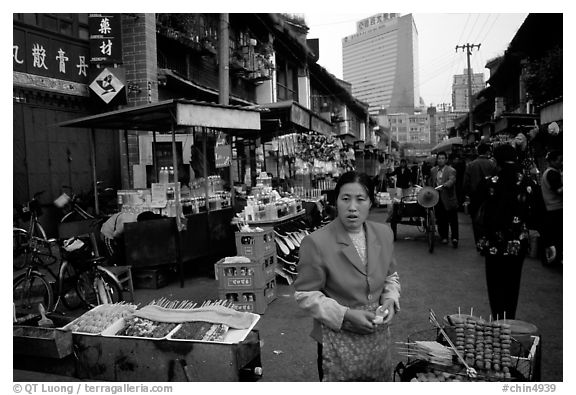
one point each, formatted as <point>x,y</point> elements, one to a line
<point>471,372</point>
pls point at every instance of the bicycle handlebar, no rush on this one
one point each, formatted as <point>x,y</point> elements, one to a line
<point>37,195</point>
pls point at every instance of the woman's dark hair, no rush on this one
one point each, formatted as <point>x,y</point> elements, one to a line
<point>505,153</point>
<point>483,149</point>
<point>361,178</point>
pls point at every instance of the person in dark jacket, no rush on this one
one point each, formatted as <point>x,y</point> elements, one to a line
<point>476,171</point>
<point>458,163</point>
<point>403,177</point>
<point>504,232</point>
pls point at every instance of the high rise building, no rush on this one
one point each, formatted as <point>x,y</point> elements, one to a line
<point>460,89</point>
<point>381,62</point>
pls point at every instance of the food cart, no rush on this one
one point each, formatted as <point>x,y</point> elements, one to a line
<point>180,238</point>
<point>121,342</point>
<point>467,348</point>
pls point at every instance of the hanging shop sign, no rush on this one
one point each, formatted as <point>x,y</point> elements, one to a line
<point>105,38</point>
<point>108,84</point>
<point>44,62</point>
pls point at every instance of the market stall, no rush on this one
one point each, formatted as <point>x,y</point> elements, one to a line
<point>164,341</point>
<point>208,206</point>
<point>462,347</point>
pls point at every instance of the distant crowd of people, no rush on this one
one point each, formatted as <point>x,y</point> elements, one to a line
<point>506,195</point>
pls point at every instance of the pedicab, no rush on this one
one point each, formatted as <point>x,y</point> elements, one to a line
<point>417,209</point>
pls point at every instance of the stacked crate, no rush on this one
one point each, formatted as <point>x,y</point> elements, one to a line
<point>250,286</point>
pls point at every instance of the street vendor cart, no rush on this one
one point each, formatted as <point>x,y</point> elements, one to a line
<point>469,349</point>
<point>118,343</point>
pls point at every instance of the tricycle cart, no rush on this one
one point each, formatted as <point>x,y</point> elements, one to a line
<point>417,209</point>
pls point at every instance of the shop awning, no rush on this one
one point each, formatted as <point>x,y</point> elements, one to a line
<point>292,114</point>
<point>172,114</point>
<point>446,145</point>
<point>511,123</point>
<point>348,138</point>
<point>192,89</point>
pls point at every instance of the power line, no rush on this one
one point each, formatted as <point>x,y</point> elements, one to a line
<point>469,48</point>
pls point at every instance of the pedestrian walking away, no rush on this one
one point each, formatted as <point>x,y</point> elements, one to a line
<point>552,194</point>
<point>504,231</point>
<point>443,178</point>
<point>347,281</point>
<point>476,171</point>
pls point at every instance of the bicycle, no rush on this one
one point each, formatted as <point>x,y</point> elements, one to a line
<point>33,239</point>
<point>79,274</point>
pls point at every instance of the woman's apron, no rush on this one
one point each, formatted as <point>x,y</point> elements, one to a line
<point>348,356</point>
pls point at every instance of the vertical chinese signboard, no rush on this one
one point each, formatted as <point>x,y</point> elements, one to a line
<point>105,38</point>
<point>106,49</point>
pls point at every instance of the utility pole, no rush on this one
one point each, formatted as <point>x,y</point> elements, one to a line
<point>469,48</point>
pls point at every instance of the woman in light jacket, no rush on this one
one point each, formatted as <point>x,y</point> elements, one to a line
<point>346,277</point>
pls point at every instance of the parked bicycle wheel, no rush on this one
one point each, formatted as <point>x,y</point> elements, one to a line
<point>28,291</point>
<point>27,247</point>
<point>99,288</point>
<point>67,292</point>
<point>19,248</point>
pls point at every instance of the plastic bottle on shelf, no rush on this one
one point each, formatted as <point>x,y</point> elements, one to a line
<point>163,176</point>
<point>171,174</point>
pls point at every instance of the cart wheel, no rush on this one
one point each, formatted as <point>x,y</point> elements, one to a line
<point>430,229</point>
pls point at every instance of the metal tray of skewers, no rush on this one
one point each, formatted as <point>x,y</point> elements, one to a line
<point>469,350</point>
<point>179,321</point>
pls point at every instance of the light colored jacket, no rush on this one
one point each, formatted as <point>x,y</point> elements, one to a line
<point>332,278</point>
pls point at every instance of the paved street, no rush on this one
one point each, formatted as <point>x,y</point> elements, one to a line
<point>443,281</point>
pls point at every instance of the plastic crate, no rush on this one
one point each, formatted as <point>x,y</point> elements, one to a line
<point>254,245</point>
<point>255,274</point>
<point>150,278</point>
<point>251,300</point>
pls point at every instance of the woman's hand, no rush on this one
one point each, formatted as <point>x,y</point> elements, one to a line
<point>388,304</point>
<point>359,321</point>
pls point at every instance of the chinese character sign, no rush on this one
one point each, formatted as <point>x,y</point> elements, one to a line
<point>107,85</point>
<point>105,38</point>
<point>48,57</point>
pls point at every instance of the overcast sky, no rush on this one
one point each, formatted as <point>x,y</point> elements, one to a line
<point>438,35</point>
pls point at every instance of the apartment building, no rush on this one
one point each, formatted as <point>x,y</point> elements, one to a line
<point>460,100</point>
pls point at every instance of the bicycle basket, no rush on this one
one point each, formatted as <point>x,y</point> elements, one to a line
<point>80,258</point>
